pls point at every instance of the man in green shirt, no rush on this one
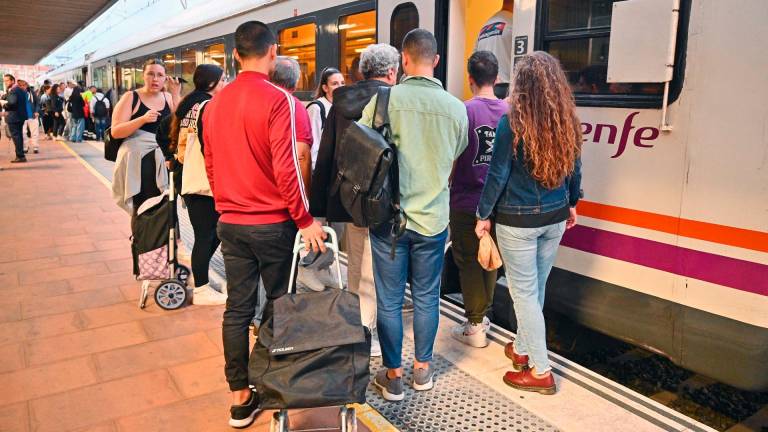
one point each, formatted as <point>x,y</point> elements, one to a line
<point>429,129</point>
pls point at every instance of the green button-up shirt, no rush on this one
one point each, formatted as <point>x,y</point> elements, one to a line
<point>429,129</point>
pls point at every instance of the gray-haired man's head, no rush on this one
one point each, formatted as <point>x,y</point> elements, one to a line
<point>286,73</point>
<point>377,60</point>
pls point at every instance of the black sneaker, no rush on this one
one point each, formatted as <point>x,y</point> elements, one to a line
<point>19,160</point>
<point>242,416</point>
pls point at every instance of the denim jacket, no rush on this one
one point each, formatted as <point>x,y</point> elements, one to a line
<point>510,189</point>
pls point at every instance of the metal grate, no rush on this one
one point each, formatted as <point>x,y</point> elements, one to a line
<point>458,402</point>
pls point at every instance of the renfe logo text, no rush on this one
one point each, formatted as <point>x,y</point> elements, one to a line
<point>641,136</point>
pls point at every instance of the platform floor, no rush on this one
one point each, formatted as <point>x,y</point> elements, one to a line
<point>77,354</point>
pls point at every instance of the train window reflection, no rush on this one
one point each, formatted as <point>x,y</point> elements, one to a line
<point>188,65</point>
<point>215,54</point>
<point>300,43</point>
<point>355,33</point>
<point>405,18</point>
<point>577,32</point>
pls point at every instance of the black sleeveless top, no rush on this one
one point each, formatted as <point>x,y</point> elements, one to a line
<point>150,127</point>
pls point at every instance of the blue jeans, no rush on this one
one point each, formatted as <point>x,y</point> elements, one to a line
<point>100,125</point>
<point>423,256</point>
<point>78,127</point>
<point>528,255</point>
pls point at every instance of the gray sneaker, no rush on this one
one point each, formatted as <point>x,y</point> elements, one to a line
<point>391,389</point>
<point>422,379</point>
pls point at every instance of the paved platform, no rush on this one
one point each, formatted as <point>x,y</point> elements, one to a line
<point>77,354</point>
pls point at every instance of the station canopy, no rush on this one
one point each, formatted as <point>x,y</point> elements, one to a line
<point>30,29</point>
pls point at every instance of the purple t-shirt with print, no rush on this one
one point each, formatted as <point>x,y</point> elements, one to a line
<point>472,165</point>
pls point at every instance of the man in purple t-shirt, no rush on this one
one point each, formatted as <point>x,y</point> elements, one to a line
<point>484,111</point>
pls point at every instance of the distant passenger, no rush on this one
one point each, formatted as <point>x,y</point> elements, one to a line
<point>354,73</point>
<point>31,130</point>
<point>100,112</point>
<point>15,114</point>
<point>330,80</point>
<point>497,37</point>
<point>429,128</point>
<point>484,111</point>
<point>532,188</point>
<point>140,171</point>
<point>184,140</point>
<point>66,93</point>
<point>47,114</point>
<point>378,66</point>
<point>251,161</point>
<point>76,109</point>
<point>56,108</point>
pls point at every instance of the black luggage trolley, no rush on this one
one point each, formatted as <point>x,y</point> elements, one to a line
<point>347,416</point>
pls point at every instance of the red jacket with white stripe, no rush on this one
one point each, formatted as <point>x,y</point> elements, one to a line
<point>249,131</point>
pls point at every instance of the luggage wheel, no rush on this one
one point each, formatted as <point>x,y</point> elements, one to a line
<point>171,294</point>
<point>347,420</point>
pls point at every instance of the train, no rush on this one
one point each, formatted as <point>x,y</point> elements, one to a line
<point>671,250</point>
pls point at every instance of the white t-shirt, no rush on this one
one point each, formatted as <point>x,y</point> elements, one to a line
<point>316,120</point>
<point>496,36</point>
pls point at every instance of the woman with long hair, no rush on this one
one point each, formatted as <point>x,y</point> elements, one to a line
<point>139,170</point>
<point>56,103</point>
<point>45,108</point>
<point>318,109</point>
<point>532,188</point>
<point>184,141</point>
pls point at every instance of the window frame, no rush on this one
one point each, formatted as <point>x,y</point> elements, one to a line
<point>542,36</point>
<point>297,22</point>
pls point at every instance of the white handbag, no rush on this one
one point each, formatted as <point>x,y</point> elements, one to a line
<point>194,179</point>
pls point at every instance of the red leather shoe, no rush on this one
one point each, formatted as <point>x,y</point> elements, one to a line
<point>519,362</point>
<point>525,380</point>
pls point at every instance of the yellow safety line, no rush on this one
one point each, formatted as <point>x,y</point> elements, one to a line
<point>87,166</point>
<point>372,419</point>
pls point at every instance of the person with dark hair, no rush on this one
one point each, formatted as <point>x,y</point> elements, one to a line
<point>76,109</point>
<point>45,108</point>
<point>139,172</point>
<point>253,170</point>
<point>99,112</point>
<point>56,108</point>
<point>31,129</point>
<point>378,65</point>
<point>429,130</point>
<point>330,80</point>
<point>15,114</point>
<point>208,80</point>
<point>532,189</point>
<point>477,285</point>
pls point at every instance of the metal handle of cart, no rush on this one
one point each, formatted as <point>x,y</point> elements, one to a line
<point>172,232</point>
<point>298,246</point>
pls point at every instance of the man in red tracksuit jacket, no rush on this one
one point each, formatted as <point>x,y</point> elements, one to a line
<point>252,162</point>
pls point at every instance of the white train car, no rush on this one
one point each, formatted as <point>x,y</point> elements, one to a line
<point>672,248</point>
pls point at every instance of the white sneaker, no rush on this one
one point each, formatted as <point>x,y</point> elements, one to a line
<point>474,335</point>
<point>375,347</point>
<point>207,296</point>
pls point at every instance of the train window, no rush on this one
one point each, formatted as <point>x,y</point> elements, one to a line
<point>188,65</point>
<point>405,18</point>
<point>126,73</point>
<point>215,54</point>
<point>169,59</point>
<point>577,32</point>
<point>300,42</point>
<point>355,33</point>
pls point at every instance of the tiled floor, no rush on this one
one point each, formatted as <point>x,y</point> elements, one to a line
<point>76,353</point>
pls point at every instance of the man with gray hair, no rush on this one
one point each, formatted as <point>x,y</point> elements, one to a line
<point>286,74</point>
<point>378,66</point>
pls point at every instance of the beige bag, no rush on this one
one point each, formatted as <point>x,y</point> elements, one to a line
<point>487,254</point>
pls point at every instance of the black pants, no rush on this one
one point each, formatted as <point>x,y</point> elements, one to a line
<point>58,125</point>
<point>250,252</point>
<point>47,123</point>
<point>203,215</point>
<point>17,135</point>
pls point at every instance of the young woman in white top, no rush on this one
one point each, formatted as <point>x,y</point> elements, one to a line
<point>318,109</point>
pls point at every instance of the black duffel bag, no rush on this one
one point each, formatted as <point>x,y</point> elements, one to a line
<point>313,352</point>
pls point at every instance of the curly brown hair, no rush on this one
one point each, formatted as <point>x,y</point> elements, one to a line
<point>543,119</point>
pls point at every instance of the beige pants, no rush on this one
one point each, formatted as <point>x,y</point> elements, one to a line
<point>360,272</point>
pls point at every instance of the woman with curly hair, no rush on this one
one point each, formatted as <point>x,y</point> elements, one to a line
<point>532,189</point>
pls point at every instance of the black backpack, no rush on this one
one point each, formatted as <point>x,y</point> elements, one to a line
<point>100,108</point>
<point>368,176</point>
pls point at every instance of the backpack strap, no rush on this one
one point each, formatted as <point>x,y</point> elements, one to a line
<point>382,124</point>
<point>322,109</point>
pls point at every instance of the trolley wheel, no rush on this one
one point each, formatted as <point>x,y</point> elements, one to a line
<point>279,422</point>
<point>170,295</point>
<point>182,273</point>
<point>348,419</point>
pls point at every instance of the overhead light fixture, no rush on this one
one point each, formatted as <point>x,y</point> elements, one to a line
<point>347,26</point>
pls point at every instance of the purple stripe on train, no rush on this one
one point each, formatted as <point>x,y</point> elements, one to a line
<point>734,273</point>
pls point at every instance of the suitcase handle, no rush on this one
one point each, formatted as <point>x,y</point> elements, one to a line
<point>298,246</point>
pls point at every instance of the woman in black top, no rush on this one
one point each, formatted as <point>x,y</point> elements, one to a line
<point>135,118</point>
<point>56,104</point>
<point>76,107</point>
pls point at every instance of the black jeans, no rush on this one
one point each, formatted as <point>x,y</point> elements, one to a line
<point>203,215</point>
<point>251,252</point>
<point>17,135</point>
